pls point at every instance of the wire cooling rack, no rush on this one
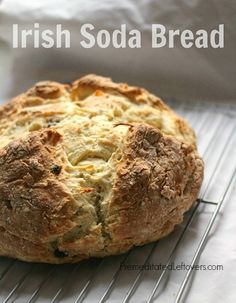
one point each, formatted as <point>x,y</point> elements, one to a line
<point>111,279</point>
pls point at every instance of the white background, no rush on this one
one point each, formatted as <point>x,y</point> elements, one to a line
<point>185,74</point>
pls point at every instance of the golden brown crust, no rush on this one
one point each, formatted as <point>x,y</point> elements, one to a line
<point>90,83</point>
<point>91,170</point>
<point>28,185</point>
<point>157,182</point>
<point>34,205</point>
<point>87,85</point>
<point>47,90</point>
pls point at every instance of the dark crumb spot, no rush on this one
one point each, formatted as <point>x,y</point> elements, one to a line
<point>53,122</point>
<point>50,124</point>
<point>8,205</point>
<point>56,169</point>
<point>60,254</point>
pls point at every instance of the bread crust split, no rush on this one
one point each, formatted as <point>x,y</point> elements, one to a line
<point>92,169</point>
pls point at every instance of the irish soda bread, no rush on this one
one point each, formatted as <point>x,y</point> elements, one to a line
<point>91,169</point>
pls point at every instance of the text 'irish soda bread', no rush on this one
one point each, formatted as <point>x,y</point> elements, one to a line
<point>91,170</point>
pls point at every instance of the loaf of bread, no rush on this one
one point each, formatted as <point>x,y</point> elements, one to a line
<point>91,169</point>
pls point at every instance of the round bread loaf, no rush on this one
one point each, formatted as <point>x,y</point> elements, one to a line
<point>91,169</point>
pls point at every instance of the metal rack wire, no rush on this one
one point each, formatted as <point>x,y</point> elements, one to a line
<point>104,280</point>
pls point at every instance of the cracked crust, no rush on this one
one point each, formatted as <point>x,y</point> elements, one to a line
<point>91,170</point>
<point>157,181</point>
